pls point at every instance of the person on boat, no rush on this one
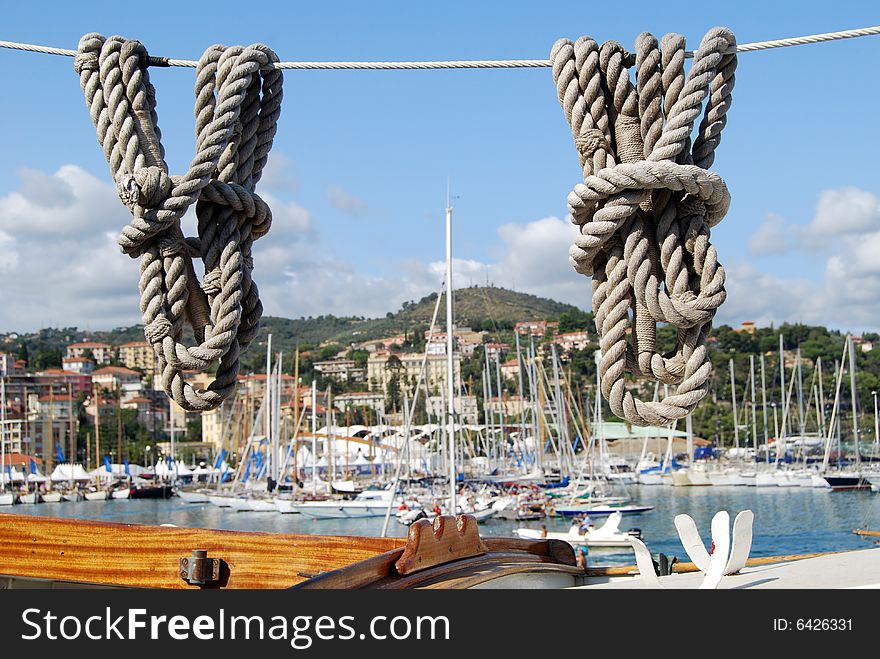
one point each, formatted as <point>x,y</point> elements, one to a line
<point>580,554</point>
<point>436,509</point>
<point>586,525</point>
<point>543,531</point>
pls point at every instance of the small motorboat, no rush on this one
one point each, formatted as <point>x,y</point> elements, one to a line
<point>72,496</point>
<point>121,493</point>
<point>98,495</point>
<point>52,497</point>
<point>607,535</point>
<point>600,510</point>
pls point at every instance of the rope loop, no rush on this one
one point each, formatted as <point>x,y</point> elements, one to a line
<point>238,102</point>
<point>647,204</point>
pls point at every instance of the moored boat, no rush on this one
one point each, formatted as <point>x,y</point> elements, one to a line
<point>607,535</point>
<point>193,496</point>
<point>369,503</point>
<point>847,481</point>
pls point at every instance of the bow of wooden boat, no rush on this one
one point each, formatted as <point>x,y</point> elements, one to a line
<point>54,551</point>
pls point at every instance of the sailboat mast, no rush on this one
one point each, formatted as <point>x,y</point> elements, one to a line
<point>733,400</point>
<point>314,440</point>
<point>3,432</point>
<point>764,409</point>
<point>450,390</point>
<point>267,398</point>
<point>71,430</point>
<point>502,444</point>
<point>537,409</point>
<point>821,397</point>
<point>800,393</point>
<point>781,386</point>
<point>855,396</point>
<point>522,399</point>
<point>754,416</point>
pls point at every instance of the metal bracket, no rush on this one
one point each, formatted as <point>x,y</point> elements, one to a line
<point>198,569</point>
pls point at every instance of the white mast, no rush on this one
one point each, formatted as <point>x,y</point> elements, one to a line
<point>276,456</point>
<point>450,390</point>
<point>3,433</point>
<point>764,410</point>
<point>733,399</point>
<point>855,396</point>
<point>267,399</point>
<point>314,440</point>
<point>754,416</point>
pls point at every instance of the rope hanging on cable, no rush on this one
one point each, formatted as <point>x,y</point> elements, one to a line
<point>646,206</point>
<point>238,102</point>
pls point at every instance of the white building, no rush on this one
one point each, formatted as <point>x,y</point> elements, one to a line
<point>383,366</point>
<point>102,352</point>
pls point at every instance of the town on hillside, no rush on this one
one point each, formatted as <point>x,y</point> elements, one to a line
<point>87,400</point>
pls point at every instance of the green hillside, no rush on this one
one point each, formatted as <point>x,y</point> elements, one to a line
<point>490,308</point>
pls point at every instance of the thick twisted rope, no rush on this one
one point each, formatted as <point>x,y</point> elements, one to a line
<point>238,101</point>
<point>647,204</point>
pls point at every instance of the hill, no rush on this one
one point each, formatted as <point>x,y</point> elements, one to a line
<point>480,307</point>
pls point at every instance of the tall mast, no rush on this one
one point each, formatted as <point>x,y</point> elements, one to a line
<point>296,413</point>
<point>764,409</point>
<point>800,393</point>
<point>733,400</point>
<point>276,417</point>
<point>502,443</point>
<point>3,432</point>
<point>754,416</point>
<point>821,400</point>
<point>450,390</point>
<point>48,454</point>
<point>522,397</point>
<point>855,396</point>
<point>781,387</point>
<point>97,392</point>
<point>71,430</point>
<point>267,400</point>
<point>537,406</point>
<point>314,440</point>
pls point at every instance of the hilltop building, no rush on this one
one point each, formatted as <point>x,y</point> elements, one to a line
<point>102,352</point>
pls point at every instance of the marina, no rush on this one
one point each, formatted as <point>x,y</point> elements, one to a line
<point>787,520</point>
<point>444,430</point>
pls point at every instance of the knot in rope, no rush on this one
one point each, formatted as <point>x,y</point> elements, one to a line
<point>147,187</point>
<point>646,206</point>
<point>238,102</point>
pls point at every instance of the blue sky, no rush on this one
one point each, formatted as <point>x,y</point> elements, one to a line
<point>358,172</point>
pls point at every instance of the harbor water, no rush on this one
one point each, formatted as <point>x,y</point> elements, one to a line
<point>788,520</point>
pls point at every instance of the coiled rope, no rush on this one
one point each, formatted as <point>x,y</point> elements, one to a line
<point>646,206</point>
<point>238,102</point>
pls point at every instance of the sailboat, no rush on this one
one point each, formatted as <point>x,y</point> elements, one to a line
<point>6,498</point>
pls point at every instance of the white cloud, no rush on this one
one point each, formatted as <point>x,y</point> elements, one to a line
<point>343,200</point>
<point>70,202</point>
<point>533,257</point>
<point>59,262</point>
<point>8,255</point>
<point>278,175</point>
<point>774,236</point>
<point>845,211</point>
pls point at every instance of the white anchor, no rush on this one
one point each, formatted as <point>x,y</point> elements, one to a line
<point>726,557</point>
